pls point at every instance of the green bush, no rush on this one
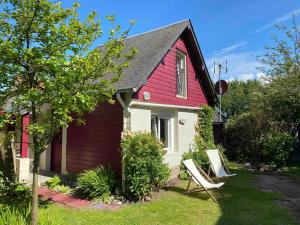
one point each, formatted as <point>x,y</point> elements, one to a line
<point>56,184</point>
<point>244,135</point>
<point>6,157</point>
<point>277,147</point>
<point>2,182</point>
<point>200,158</point>
<point>144,165</point>
<point>53,182</point>
<point>13,189</point>
<point>98,183</point>
<point>63,189</point>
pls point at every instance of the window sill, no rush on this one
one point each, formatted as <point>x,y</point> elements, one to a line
<point>168,152</point>
<point>180,96</point>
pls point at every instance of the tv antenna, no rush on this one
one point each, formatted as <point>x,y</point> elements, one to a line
<point>221,86</point>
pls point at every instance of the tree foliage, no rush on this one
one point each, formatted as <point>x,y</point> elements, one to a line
<point>48,67</point>
<point>264,111</point>
<point>281,64</point>
<point>240,97</point>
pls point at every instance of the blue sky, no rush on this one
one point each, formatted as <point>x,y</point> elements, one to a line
<point>236,30</point>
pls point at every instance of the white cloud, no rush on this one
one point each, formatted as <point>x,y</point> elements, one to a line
<point>260,76</point>
<point>230,48</point>
<point>241,66</point>
<point>281,19</point>
<point>246,76</point>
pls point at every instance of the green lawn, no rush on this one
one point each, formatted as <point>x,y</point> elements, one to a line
<point>243,204</point>
<point>292,170</point>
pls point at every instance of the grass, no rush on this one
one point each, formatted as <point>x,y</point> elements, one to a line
<point>292,170</point>
<point>243,204</point>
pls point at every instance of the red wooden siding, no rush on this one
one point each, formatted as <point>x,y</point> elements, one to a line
<point>98,141</point>
<point>24,136</point>
<point>56,145</point>
<point>162,82</point>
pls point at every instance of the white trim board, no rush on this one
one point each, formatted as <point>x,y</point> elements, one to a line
<point>149,104</point>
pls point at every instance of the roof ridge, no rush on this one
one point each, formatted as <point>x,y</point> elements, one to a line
<point>159,28</point>
<point>149,31</point>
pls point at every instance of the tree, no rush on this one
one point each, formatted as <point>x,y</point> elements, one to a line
<point>281,64</point>
<point>240,97</point>
<point>47,68</point>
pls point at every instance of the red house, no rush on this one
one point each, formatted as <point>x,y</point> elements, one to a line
<point>160,92</point>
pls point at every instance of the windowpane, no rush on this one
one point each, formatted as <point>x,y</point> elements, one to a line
<point>164,132</point>
<point>180,76</point>
<point>154,126</point>
<point>160,129</point>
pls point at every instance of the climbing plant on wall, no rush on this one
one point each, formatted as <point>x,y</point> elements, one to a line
<point>204,130</point>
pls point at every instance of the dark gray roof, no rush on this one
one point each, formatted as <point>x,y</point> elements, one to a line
<point>152,46</point>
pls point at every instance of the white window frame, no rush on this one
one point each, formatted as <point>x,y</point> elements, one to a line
<point>182,55</point>
<point>170,138</point>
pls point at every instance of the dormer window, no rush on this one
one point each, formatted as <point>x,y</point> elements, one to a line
<point>181,81</point>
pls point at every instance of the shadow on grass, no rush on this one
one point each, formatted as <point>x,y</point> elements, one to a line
<point>246,204</point>
<point>200,194</point>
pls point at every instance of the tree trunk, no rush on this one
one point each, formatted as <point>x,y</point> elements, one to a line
<point>13,152</point>
<point>34,202</point>
<point>35,170</point>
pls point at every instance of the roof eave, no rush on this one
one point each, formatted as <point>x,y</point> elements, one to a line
<point>203,61</point>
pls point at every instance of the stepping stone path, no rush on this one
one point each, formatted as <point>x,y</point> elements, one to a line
<point>61,198</point>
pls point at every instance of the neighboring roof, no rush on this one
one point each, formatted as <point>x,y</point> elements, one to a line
<point>152,46</point>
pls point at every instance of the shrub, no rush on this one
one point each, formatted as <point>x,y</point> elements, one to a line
<point>19,191</point>
<point>63,189</point>
<point>13,189</point>
<point>200,158</point>
<point>276,148</point>
<point>53,182</point>
<point>6,157</point>
<point>244,134</point>
<point>2,182</point>
<point>143,163</point>
<point>98,183</point>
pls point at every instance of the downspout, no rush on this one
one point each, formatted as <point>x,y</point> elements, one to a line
<point>125,127</point>
<point>121,101</point>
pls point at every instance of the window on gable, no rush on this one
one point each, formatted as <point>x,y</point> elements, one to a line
<point>181,80</point>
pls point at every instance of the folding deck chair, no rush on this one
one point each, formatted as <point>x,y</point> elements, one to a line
<point>217,164</point>
<point>198,178</point>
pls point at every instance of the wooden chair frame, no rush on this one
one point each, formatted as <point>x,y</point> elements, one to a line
<point>199,183</point>
<point>223,163</point>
